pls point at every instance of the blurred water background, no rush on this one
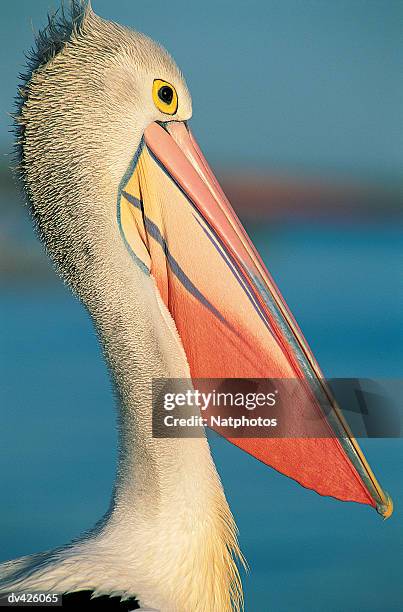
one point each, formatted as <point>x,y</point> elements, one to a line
<point>299,107</point>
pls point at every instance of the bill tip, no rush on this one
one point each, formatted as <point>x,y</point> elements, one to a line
<point>386,508</point>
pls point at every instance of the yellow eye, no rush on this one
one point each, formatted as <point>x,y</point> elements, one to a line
<point>165,97</point>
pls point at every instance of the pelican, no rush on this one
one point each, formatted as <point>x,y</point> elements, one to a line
<point>140,230</point>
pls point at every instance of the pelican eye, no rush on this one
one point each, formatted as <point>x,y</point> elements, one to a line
<point>166,94</point>
<point>165,97</point>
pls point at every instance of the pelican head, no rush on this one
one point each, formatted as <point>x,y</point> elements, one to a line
<point>93,89</point>
<point>137,225</point>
